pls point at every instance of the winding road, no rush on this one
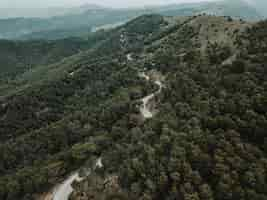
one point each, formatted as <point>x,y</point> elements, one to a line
<point>144,109</point>
<point>64,190</point>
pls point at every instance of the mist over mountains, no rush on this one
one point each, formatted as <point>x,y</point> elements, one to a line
<point>52,11</point>
<point>45,12</point>
<point>56,23</point>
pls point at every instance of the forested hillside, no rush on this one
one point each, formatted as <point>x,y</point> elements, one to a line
<point>18,57</point>
<point>205,140</point>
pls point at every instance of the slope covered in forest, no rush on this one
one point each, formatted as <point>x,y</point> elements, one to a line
<point>18,57</point>
<point>205,140</point>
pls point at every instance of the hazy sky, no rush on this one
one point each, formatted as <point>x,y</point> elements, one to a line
<point>67,3</point>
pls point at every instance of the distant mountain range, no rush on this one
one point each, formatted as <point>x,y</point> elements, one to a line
<point>45,12</point>
<point>80,21</point>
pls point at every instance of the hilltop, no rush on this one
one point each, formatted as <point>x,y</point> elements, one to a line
<point>206,137</point>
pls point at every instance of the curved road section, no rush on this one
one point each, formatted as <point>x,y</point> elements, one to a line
<point>64,190</point>
<point>144,109</point>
